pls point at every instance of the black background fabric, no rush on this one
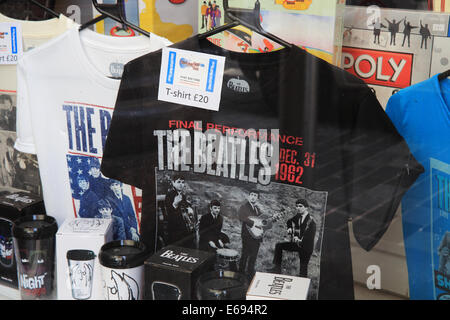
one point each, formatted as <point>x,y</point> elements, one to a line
<point>400,4</point>
<point>362,162</point>
<point>24,10</point>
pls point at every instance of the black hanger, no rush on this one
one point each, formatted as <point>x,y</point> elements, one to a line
<point>45,8</point>
<point>252,21</point>
<point>40,5</point>
<point>114,11</point>
<point>444,75</point>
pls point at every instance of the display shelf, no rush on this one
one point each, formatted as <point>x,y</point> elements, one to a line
<point>8,293</point>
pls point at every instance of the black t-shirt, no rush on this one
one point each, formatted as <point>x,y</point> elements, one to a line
<point>312,132</point>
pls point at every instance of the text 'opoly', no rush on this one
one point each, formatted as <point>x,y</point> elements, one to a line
<point>382,68</point>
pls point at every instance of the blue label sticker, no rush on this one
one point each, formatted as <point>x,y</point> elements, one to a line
<point>171,67</point>
<point>14,40</point>
<point>211,75</point>
<point>191,78</point>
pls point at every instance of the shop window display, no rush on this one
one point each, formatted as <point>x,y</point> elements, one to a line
<point>270,151</point>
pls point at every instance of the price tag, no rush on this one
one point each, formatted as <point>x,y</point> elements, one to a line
<point>10,43</point>
<point>191,78</point>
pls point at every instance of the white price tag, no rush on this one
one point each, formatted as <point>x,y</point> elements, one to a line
<point>191,78</point>
<point>10,43</point>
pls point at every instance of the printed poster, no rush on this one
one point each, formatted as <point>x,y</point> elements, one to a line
<point>94,195</point>
<point>17,169</point>
<point>393,49</point>
<point>174,20</point>
<point>440,228</point>
<point>315,26</point>
<point>113,28</point>
<point>203,204</point>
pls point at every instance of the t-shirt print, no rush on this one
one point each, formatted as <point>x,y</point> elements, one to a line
<point>93,195</point>
<point>232,165</point>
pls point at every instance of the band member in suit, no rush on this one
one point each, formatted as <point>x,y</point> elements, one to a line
<point>377,25</point>
<point>182,226</point>
<point>8,169</point>
<point>123,208</point>
<point>104,211</point>
<point>211,235</point>
<point>88,198</point>
<point>97,184</point>
<point>302,230</point>
<point>7,113</point>
<point>250,245</point>
<point>393,28</point>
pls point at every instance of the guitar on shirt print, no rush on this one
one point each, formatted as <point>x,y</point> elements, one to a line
<point>262,223</point>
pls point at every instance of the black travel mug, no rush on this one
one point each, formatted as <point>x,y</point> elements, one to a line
<point>34,243</point>
<point>6,244</point>
<point>222,285</point>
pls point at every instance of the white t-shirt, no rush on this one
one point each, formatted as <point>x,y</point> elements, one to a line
<point>16,169</point>
<point>65,104</point>
<point>34,34</point>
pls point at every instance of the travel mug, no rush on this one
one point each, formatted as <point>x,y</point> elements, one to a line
<point>222,285</point>
<point>122,268</point>
<point>6,244</point>
<point>81,271</point>
<point>34,243</point>
<point>165,291</point>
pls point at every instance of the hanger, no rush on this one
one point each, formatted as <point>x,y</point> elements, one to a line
<point>45,8</point>
<point>444,75</point>
<point>252,21</point>
<point>40,5</point>
<point>114,11</point>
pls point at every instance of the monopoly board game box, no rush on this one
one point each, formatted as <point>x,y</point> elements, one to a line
<point>391,49</point>
<point>315,25</point>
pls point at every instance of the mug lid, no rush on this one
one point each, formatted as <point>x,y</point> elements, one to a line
<point>34,227</point>
<point>222,285</point>
<point>80,255</point>
<point>123,254</point>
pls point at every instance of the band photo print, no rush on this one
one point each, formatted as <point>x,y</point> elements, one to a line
<point>95,196</point>
<point>17,169</point>
<point>277,228</point>
<point>8,111</point>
